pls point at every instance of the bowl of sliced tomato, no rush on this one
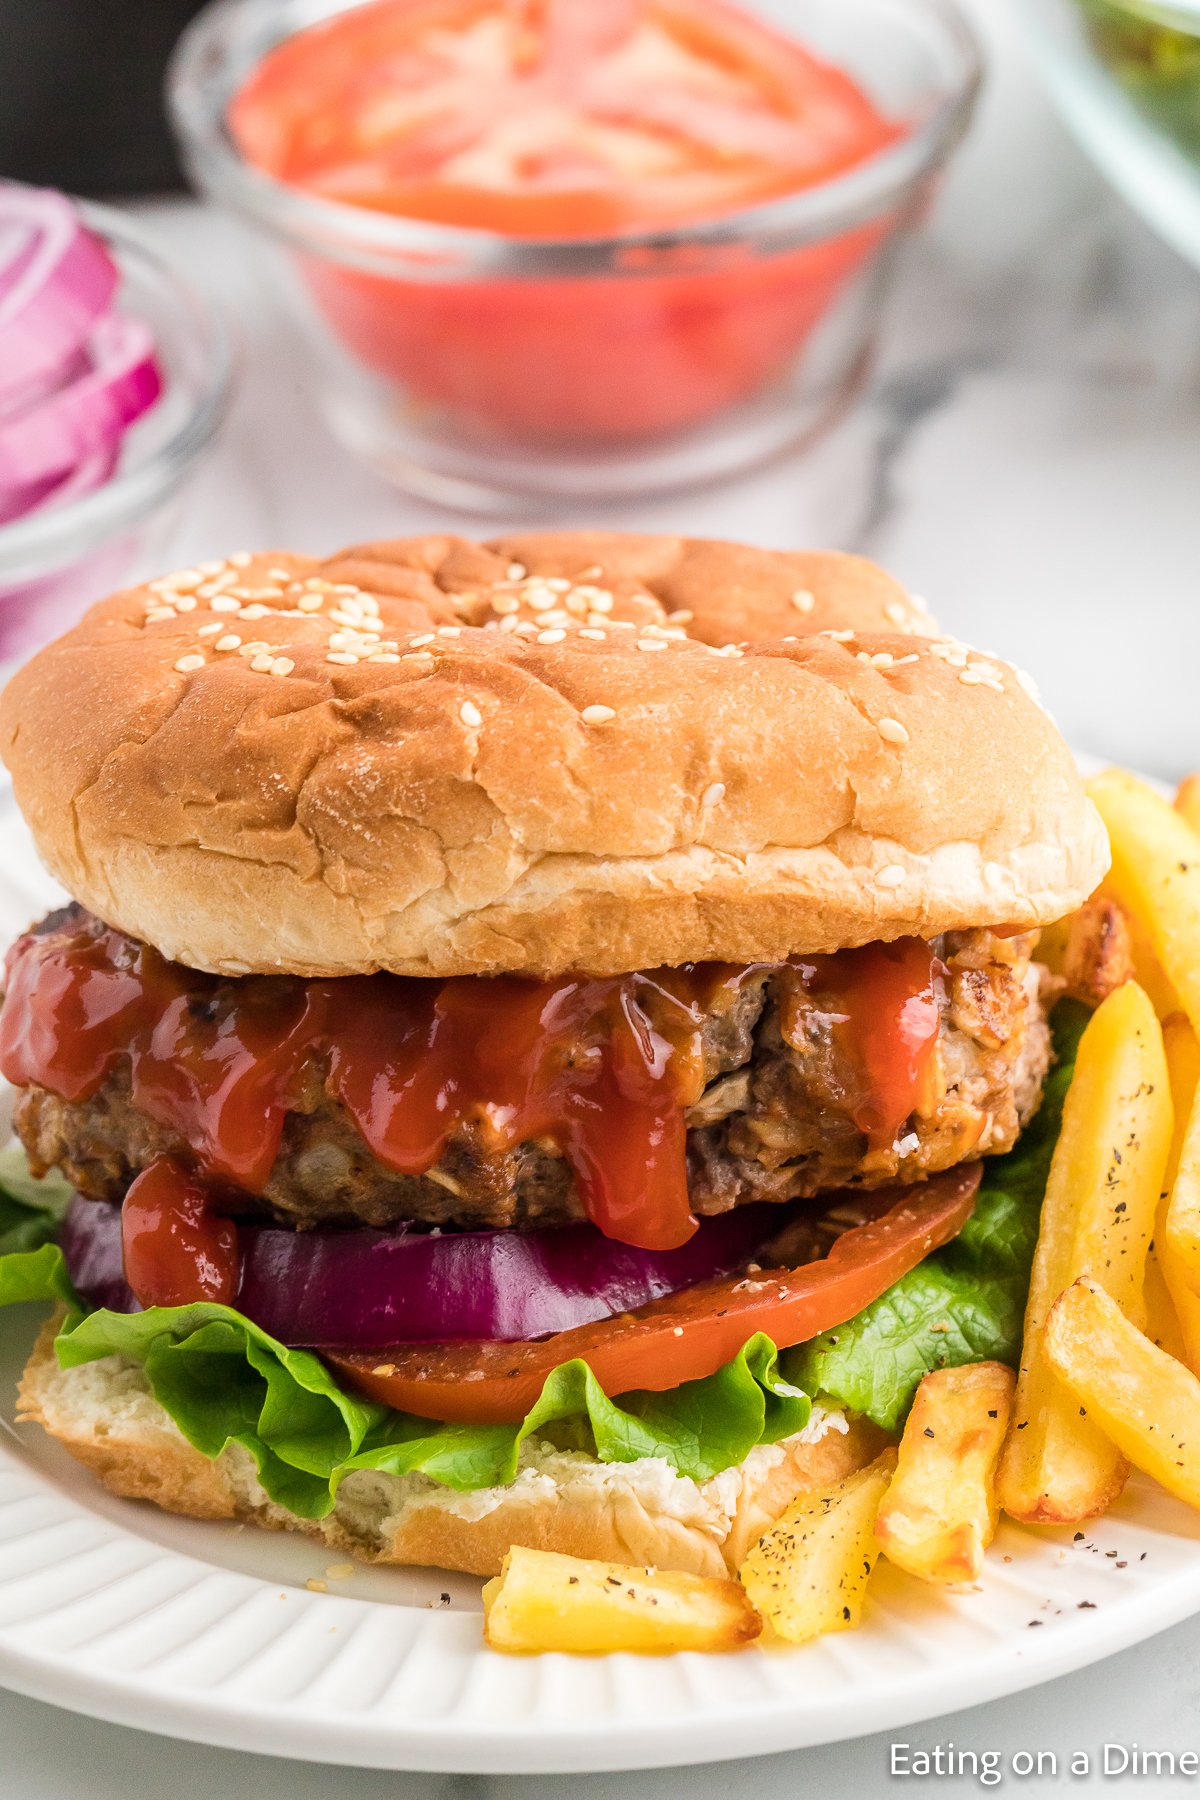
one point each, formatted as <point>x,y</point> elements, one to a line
<point>577,248</point>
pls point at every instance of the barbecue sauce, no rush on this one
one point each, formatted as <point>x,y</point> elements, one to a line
<point>880,1005</point>
<point>603,1068</point>
<point>175,1247</point>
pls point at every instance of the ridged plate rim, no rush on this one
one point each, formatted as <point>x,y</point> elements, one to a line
<point>111,1609</point>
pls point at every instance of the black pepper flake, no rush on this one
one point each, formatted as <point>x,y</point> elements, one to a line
<point>1086,1606</point>
<point>992,1413</point>
<point>1033,1622</point>
<point>846,1613</point>
<point>929,1431</point>
<point>1078,1538</point>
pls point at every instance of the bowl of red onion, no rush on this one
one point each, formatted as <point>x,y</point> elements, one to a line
<point>114,374</point>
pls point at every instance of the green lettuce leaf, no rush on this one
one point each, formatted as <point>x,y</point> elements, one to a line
<point>965,1303</point>
<point>30,1210</point>
<point>223,1380</point>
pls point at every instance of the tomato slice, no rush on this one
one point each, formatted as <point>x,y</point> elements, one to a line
<point>551,117</point>
<point>682,1338</point>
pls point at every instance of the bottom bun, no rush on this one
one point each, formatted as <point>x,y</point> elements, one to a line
<point>642,1512</point>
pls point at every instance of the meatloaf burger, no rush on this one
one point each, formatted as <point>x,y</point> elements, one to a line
<point>523,1007</point>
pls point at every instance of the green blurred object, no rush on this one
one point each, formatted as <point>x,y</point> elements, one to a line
<point>1156,58</point>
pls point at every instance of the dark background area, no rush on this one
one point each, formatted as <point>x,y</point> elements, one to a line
<point>81,93</point>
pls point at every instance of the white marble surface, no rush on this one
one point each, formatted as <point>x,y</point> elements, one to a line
<point>1029,458</point>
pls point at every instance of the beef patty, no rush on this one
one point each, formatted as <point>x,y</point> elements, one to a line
<point>772,1122</point>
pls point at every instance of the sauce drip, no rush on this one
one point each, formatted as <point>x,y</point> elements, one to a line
<point>603,1068</point>
<point>175,1248</point>
<point>880,1003</point>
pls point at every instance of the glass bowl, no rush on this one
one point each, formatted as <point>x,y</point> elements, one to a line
<point>476,368</point>
<point>55,562</point>
<point>1125,74</point>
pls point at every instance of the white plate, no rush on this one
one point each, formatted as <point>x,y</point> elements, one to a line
<point>209,1632</point>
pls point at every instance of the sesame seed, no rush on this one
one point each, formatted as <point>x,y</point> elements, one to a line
<point>222,603</point>
<point>803,601</point>
<point>649,643</point>
<point>713,794</point>
<point>470,714</point>
<point>516,571</point>
<point>596,618</point>
<point>425,637</point>
<point>838,637</point>
<point>384,656</point>
<point>897,613</point>
<point>576,604</point>
<point>890,877</point>
<point>211,568</point>
<point>598,715</point>
<point>510,624</point>
<point>554,616</point>
<point>282,665</point>
<point>316,1586</point>
<point>241,559</point>
<point>310,603</point>
<point>617,624</point>
<point>279,574</point>
<point>681,617</point>
<point>262,665</point>
<point>882,659</point>
<point>505,603</point>
<point>551,637</point>
<point>186,664</point>
<point>345,657</point>
<point>186,603</point>
<point>892,731</point>
<point>593,635</point>
<point>600,601</point>
<point>921,604</point>
<point>157,614</point>
<point>206,631</point>
<point>231,640</point>
<point>254,648</point>
<point>912,657</point>
<point>443,631</point>
<point>253,611</point>
<point>422,659</point>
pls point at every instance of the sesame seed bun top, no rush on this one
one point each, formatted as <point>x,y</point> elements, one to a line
<point>570,751</point>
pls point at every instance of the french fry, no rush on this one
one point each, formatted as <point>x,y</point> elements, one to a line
<point>1187,800</point>
<point>1097,1217</point>
<point>1172,1307</point>
<point>1156,876</point>
<point>1091,949</point>
<point>809,1573</point>
<point>1146,1402</point>
<point>1147,970</point>
<point>1180,1244</point>
<point>939,1514</point>
<point>543,1601</point>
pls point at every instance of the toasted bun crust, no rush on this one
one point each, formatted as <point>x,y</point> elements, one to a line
<point>106,1416</point>
<point>514,776</point>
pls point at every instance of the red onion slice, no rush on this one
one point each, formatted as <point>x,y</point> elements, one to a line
<point>84,478</point>
<point>47,439</point>
<point>368,1289</point>
<point>56,279</point>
